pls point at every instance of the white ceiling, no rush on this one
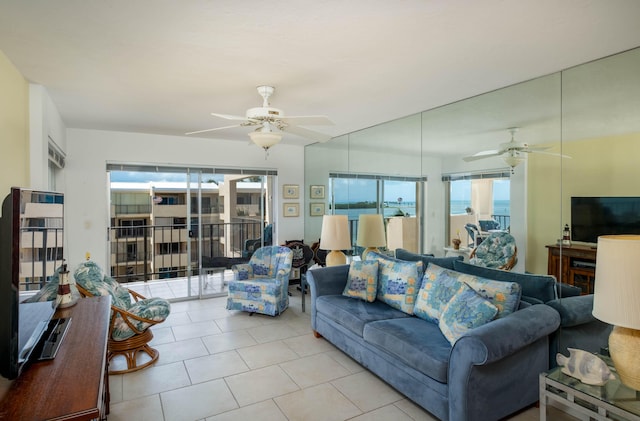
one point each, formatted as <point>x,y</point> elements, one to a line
<point>161,66</point>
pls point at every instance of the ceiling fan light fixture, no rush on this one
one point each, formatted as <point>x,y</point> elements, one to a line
<point>265,139</point>
<point>513,160</point>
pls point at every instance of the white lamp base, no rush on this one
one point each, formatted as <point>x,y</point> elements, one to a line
<point>367,250</point>
<point>624,348</point>
<point>335,258</point>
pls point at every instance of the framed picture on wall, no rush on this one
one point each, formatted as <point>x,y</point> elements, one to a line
<point>291,191</point>
<point>316,209</point>
<point>317,192</point>
<point>291,209</point>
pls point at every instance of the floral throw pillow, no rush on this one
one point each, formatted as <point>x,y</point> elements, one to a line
<point>467,310</point>
<point>362,281</point>
<point>398,281</point>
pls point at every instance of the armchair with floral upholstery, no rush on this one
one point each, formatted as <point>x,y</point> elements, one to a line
<point>132,315</point>
<point>262,285</point>
<point>497,251</point>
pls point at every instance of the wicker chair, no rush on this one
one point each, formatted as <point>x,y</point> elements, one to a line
<point>498,251</point>
<point>132,315</point>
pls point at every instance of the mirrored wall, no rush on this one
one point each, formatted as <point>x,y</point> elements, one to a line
<point>584,123</point>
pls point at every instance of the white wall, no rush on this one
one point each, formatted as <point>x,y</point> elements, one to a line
<point>86,192</point>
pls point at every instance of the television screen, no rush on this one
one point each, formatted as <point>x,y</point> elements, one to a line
<point>592,217</point>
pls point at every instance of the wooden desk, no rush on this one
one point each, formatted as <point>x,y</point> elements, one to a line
<point>74,385</point>
<point>564,267</point>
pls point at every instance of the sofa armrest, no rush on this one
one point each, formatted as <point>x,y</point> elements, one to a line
<point>503,337</point>
<point>242,271</point>
<point>574,311</point>
<point>493,369</point>
<point>328,280</point>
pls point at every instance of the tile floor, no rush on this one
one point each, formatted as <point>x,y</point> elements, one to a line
<point>225,365</point>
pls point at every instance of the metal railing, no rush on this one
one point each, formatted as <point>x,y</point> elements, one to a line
<point>160,252</point>
<point>503,220</point>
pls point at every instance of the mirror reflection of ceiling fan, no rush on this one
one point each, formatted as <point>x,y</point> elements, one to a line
<point>271,122</point>
<point>512,152</point>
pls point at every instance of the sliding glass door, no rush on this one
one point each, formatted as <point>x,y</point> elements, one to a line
<point>175,232</point>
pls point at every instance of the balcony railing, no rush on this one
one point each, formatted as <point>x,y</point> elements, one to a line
<point>137,258</point>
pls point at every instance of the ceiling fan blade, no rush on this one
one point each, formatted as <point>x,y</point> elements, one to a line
<point>211,130</point>
<point>308,120</point>
<point>309,134</point>
<point>537,148</point>
<point>231,117</point>
<point>482,155</point>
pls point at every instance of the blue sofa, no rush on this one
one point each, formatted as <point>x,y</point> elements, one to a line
<point>490,372</point>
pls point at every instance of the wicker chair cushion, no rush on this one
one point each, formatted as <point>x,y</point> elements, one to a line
<point>495,251</point>
<point>91,277</point>
<point>156,309</point>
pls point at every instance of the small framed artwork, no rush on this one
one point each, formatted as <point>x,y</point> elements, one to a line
<point>291,209</point>
<point>317,192</point>
<point>316,209</point>
<point>290,191</point>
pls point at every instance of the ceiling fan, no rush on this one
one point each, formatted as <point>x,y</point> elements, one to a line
<point>512,152</point>
<point>271,122</point>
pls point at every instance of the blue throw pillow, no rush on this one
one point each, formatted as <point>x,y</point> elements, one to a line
<point>398,281</point>
<point>439,285</point>
<point>467,310</point>
<point>362,281</point>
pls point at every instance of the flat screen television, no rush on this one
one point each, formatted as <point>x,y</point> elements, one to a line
<point>592,217</point>
<point>31,237</point>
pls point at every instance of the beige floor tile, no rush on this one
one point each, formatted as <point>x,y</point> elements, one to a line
<point>207,314</point>
<point>313,370</point>
<point>322,403</point>
<point>308,344</point>
<point>195,330</point>
<point>115,388</point>
<point>155,379</point>
<point>414,411</point>
<point>176,319</point>
<point>148,408</point>
<point>181,350</point>
<point>258,385</point>
<point>266,354</point>
<point>198,401</point>
<point>272,332</point>
<point>348,362</point>
<point>228,341</point>
<point>215,366</point>
<point>239,320</point>
<point>386,413</point>
<point>367,391</point>
<point>162,335</point>
<point>263,411</point>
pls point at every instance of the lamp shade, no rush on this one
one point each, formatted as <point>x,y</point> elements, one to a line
<point>335,233</point>
<point>371,231</point>
<point>616,297</point>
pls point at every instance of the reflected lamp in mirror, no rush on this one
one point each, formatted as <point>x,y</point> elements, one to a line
<point>370,233</point>
<point>335,237</point>
<point>617,301</point>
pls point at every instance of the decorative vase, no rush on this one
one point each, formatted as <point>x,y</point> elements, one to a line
<point>456,243</point>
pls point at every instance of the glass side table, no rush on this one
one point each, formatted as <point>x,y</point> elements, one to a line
<point>613,401</point>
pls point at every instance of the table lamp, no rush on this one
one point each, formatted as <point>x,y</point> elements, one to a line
<point>616,301</point>
<point>370,233</point>
<point>335,237</point>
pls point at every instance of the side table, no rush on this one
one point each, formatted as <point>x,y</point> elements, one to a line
<point>613,400</point>
<point>462,251</point>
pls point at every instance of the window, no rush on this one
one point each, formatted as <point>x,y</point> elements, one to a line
<point>481,199</point>
<point>169,248</point>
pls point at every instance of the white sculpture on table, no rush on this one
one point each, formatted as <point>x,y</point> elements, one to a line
<point>585,366</point>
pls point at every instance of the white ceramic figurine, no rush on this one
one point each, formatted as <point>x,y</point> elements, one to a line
<point>585,366</point>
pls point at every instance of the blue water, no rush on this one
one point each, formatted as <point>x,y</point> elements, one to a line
<point>500,207</point>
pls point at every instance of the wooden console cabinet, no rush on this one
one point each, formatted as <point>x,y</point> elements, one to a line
<point>568,265</point>
<point>75,384</point>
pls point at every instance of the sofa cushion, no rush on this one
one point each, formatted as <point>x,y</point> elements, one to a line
<point>466,310</point>
<point>504,295</point>
<point>362,280</point>
<point>413,341</point>
<point>539,287</point>
<point>439,285</point>
<point>353,313</point>
<point>398,281</point>
<point>445,262</point>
